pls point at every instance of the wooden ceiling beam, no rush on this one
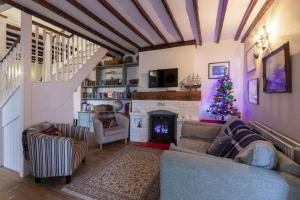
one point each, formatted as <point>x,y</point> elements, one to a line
<point>113,11</point>
<point>196,14</point>
<point>55,23</point>
<point>87,12</point>
<point>172,18</point>
<point>220,19</point>
<point>168,45</point>
<point>258,17</point>
<point>141,10</point>
<point>245,19</point>
<point>68,17</point>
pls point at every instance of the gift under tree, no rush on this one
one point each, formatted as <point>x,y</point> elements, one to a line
<point>222,103</point>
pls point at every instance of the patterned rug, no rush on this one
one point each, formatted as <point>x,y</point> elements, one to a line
<point>130,174</point>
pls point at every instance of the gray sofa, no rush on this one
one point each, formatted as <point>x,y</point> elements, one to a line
<point>106,135</point>
<point>193,175</point>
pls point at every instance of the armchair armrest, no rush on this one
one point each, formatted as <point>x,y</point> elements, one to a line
<point>73,131</point>
<point>98,129</point>
<point>208,177</point>
<point>122,120</point>
<point>50,155</point>
<point>197,130</point>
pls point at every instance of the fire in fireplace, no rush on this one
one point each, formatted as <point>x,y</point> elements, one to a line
<point>162,126</point>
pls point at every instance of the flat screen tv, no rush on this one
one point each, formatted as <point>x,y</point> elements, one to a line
<point>163,78</point>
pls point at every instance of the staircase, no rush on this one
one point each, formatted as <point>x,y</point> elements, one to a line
<point>60,62</point>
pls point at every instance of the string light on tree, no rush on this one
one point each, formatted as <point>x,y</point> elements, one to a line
<point>222,102</point>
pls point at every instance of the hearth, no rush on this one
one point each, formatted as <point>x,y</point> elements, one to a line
<point>162,126</point>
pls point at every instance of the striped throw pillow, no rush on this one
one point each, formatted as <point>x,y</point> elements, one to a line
<point>240,141</point>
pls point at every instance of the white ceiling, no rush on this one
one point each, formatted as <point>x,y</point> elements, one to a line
<point>182,10</point>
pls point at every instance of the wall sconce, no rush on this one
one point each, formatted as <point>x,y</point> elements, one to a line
<point>261,41</point>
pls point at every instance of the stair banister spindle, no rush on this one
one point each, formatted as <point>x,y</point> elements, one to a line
<point>63,58</point>
<point>85,50</point>
<point>36,52</point>
<point>68,58</point>
<point>44,57</point>
<point>57,56</point>
<point>73,69</point>
<point>81,40</point>
<point>77,53</point>
<point>51,56</point>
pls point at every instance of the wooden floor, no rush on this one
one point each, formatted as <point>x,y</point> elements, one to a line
<point>12,187</point>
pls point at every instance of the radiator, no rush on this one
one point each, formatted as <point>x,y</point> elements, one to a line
<point>288,146</point>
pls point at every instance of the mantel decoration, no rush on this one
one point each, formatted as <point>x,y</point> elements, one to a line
<point>277,72</point>
<point>218,70</point>
<point>253,91</point>
<point>192,82</point>
<point>222,103</point>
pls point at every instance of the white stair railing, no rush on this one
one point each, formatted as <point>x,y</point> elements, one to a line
<point>10,72</point>
<point>58,57</point>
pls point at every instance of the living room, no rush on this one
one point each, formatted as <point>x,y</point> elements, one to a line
<point>149,99</point>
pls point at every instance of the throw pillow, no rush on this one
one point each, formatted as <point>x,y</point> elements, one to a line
<point>260,154</point>
<point>109,122</point>
<point>286,164</point>
<point>240,141</point>
<point>113,122</point>
<point>53,131</point>
<point>229,129</point>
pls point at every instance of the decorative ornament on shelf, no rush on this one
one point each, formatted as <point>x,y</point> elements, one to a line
<point>222,103</point>
<point>191,82</point>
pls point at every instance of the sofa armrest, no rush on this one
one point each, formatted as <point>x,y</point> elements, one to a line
<point>197,130</point>
<point>50,155</point>
<point>211,178</point>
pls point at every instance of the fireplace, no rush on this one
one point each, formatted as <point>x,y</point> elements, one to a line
<point>162,126</point>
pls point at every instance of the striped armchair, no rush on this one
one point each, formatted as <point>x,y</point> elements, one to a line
<point>52,156</point>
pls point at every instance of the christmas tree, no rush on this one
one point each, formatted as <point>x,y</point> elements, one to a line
<point>222,103</point>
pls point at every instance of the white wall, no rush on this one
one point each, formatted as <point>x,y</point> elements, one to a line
<point>278,111</point>
<point>191,59</point>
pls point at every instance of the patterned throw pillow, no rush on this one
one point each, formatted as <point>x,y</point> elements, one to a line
<point>53,131</point>
<point>224,137</point>
<point>240,141</point>
<point>109,122</point>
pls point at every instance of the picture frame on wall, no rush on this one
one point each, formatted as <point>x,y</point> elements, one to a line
<point>218,70</point>
<point>253,91</point>
<point>250,60</point>
<point>277,71</point>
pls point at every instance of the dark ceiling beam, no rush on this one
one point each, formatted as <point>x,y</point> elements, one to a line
<point>81,8</point>
<point>113,11</point>
<point>55,23</point>
<point>220,19</point>
<point>168,45</point>
<point>141,10</point>
<point>68,17</point>
<point>258,17</point>
<point>196,14</point>
<point>245,19</point>
<point>172,18</point>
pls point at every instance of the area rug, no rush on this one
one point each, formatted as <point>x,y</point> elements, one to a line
<point>130,174</point>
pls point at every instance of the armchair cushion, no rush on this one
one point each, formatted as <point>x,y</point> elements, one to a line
<point>113,131</point>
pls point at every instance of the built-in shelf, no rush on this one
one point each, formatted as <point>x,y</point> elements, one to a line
<point>110,86</point>
<point>118,65</point>
<point>105,99</point>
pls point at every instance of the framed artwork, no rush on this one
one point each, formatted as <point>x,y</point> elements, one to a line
<point>277,74</point>
<point>253,91</point>
<point>218,69</point>
<point>250,60</point>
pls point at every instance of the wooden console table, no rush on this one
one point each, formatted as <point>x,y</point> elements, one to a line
<point>168,95</point>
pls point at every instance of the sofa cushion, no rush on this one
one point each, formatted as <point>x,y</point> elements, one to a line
<point>197,145</point>
<point>195,129</point>
<point>114,131</point>
<point>79,152</point>
<point>240,141</point>
<point>260,154</point>
<point>285,164</point>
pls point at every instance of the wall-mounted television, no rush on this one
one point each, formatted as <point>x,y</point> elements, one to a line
<point>163,78</point>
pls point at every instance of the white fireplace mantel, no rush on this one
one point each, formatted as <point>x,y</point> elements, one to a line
<point>139,117</point>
